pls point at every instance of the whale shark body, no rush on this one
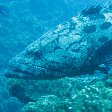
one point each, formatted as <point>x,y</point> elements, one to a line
<point>79,46</point>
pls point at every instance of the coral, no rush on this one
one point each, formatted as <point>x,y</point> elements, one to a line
<point>68,95</point>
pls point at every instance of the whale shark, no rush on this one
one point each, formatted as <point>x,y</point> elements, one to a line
<point>76,47</point>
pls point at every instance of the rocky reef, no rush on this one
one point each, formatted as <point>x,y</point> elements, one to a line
<point>64,95</point>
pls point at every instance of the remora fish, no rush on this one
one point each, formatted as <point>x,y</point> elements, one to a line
<point>79,46</point>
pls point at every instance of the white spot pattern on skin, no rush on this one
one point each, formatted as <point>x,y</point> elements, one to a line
<point>59,27</point>
<point>108,17</point>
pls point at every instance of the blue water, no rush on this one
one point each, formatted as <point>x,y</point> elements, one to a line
<point>21,23</point>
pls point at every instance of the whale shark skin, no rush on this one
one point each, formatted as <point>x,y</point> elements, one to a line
<point>68,50</point>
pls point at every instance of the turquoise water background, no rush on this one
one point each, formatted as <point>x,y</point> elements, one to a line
<point>21,23</point>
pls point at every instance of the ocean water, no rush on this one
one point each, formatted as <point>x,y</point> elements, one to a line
<point>52,63</point>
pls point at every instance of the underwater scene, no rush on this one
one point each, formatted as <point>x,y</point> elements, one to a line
<point>55,55</point>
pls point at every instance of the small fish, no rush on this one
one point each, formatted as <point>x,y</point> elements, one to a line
<point>2,11</point>
<point>73,48</point>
